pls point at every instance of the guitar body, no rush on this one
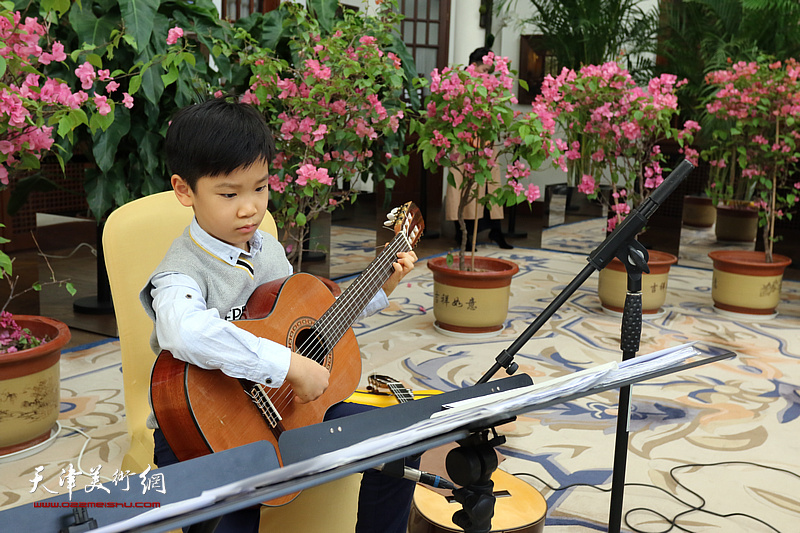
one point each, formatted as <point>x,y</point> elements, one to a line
<point>519,508</point>
<point>205,411</point>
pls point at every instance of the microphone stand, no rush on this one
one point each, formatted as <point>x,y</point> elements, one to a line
<point>620,243</point>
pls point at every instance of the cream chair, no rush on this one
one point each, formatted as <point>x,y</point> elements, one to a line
<point>135,238</point>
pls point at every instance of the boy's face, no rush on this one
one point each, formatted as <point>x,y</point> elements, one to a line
<point>228,207</point>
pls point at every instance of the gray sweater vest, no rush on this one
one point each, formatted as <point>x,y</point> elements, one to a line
<point>225,287</point>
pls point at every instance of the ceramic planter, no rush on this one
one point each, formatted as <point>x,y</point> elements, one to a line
<point>745,285</point>
<point>698,212</point>
<point>30,390</point>
<point>471,303</point>
<point>736,224</point>
<point>612,284</point>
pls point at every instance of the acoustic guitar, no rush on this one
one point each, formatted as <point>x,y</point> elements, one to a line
<point>519,508</point>
<point>205,411</point>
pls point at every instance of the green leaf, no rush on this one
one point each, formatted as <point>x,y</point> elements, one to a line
<point>89,28</point>
<point>37,286</point>
<point>59,6</point>
<point>300,219</point>
<point>272,28</point>
<point>189,58</point>
<point>101,121</point>
<point>105,143</point>
<point>23,189</point>
<point>171,76</point>
<point>70,288</point>
<point>134,85</point>
<point>97,195</point>
<point>138,16</point>
<point>6,265</point>
<point>324,11</point>
<point>95,60</point>
<point>152,86</point>
<point>2,66</point>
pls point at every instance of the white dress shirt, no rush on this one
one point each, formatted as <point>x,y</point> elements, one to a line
<point>198,335</point>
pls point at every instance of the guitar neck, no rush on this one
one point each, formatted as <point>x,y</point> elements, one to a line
<point>343,313</point>
<point>402,394</point>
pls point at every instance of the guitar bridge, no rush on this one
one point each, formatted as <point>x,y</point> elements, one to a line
<point>262,401</point>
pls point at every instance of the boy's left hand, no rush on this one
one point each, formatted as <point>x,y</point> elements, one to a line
<point>403,265</point>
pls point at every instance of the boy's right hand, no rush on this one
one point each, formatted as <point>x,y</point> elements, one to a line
<point>308,378</point>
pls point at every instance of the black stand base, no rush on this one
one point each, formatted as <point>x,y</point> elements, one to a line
<point>93,305</point>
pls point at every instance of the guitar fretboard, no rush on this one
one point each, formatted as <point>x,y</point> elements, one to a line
<point>343,313</point>
<point>402,394</point>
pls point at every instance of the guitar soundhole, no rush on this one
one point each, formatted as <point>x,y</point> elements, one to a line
<point>309,343</point>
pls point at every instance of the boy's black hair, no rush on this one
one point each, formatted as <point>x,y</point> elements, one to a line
<point>216,137</point>
<point>477,55</point>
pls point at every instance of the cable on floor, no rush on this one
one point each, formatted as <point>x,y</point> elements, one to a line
<point>673,522</point>
<point>83,449</point>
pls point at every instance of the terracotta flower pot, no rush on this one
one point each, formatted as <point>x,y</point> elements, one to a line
<point>30,386</point>
<point>736,224</point>
<point>744,284</point>
<point>472,303</point>
<point>698,212</point>
<point>612,284</point>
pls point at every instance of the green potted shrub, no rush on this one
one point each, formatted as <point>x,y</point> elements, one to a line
<point>760,101</point>
<point>469,126</point>
<point>622,127</point>
<point>334,101</point>
<point>36,111</point>
<point>700,37</point>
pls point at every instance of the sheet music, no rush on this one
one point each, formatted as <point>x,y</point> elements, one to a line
<point>580,381</point>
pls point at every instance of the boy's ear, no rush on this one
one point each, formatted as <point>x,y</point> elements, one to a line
<point>182,190</point>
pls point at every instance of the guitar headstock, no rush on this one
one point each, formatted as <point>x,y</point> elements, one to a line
<point>379,381</point>
<point>406,219</point>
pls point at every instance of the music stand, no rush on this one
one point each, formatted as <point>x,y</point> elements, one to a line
<point>356,451</point>
<point>621,243</point>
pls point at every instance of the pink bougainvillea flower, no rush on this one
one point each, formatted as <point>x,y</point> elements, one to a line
<point>174,34</point>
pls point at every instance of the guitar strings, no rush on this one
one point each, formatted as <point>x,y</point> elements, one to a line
<point>345,317</point>
<point>338,319</point>
<point>318,354</point>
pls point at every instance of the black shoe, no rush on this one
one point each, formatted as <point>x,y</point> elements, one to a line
<point>497,237</point>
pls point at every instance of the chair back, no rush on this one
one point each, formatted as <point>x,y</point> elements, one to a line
<point>136,237</point>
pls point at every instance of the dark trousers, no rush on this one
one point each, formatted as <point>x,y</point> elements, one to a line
<point>383,502</point>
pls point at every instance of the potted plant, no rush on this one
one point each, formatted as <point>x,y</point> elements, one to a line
<point>700,37</point>
<point>35,111</point>
<point>622,126</point>
<point>30,388</point>
<point>124,50</point>
<point>469,126</point>
<point>760,102</point>
<point>335,104</point>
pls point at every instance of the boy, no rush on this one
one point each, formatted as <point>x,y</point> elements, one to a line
<point>218,153</point>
